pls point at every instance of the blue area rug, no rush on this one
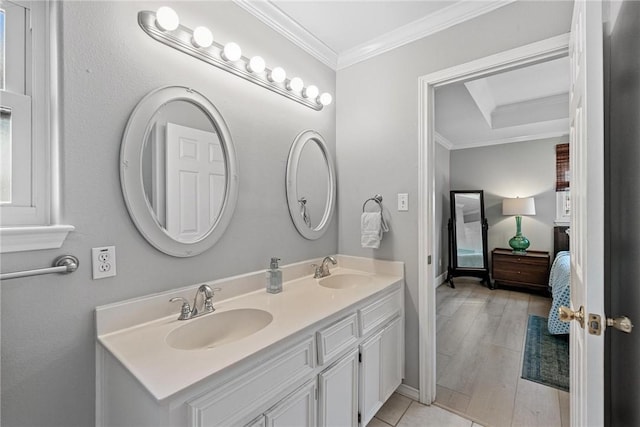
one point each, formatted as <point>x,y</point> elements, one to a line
<point>546,356</point>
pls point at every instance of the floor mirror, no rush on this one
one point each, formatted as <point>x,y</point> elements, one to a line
<point>468,237</point>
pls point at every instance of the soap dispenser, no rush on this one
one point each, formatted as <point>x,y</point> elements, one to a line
<point>274,277</point>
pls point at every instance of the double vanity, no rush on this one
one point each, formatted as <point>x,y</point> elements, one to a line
<point>325,351</point>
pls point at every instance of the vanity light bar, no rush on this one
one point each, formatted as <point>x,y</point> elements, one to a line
<point>164,26</point>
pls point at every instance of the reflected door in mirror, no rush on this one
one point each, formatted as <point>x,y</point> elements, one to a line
<point>184,173</point>
<point>195,181</point>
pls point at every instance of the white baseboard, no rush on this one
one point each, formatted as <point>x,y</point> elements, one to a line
<point>440,279</point>
<point>408,391</point>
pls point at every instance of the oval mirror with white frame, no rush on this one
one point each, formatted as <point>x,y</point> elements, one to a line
<point>178,171</point>
<point>311,185</point>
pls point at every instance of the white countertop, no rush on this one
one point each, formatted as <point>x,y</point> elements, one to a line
<point>164,371</point>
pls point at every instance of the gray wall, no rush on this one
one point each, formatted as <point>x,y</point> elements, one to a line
<point>622,65</point>
<point>523,169</point>
<point>443,186</point>
<point>377,128</point>
<point>109,64</point>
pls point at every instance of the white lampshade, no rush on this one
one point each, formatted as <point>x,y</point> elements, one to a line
<point>519,206</point>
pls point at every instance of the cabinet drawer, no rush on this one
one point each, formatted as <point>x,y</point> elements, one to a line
<point>226,405</point>
<point>523,276</point>
<point>381,311</point>
<point>530,262</point>
<point>335,339</point>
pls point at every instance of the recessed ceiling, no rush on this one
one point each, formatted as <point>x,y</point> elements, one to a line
<point>518,105</point>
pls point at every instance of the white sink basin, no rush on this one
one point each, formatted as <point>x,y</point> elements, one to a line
<point>216,329</point>
<point>344,281</point>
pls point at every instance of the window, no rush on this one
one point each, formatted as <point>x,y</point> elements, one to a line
<point>26,144</point>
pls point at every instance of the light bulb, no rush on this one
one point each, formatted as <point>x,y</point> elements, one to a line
<point>325,98</point>
<point>295,84</point>
<point>310,92</point>
<point>256,65</point>
<point>278,75</point>
<point>167,19</point>
<point>231,52</point>
<point>202,37</point>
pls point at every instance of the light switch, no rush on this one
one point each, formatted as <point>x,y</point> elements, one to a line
<point>403,201</point>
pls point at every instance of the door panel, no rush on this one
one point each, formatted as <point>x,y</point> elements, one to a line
<point>587,216</point>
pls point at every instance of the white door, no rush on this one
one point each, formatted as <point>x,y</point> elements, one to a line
<point>296,410</point>
<point>195,181</point>
<point>587,216</point>
<point>338,400</point>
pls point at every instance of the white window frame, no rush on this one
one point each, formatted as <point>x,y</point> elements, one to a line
<point>33,221</point>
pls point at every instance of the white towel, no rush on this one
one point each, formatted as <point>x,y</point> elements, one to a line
<point>372,226</point>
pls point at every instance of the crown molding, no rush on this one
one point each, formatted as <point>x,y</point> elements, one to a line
<point>279,21</point>
<point>441,20</point>
<point>535,137</point>
<point>445,18</point>
<point>439,139</point>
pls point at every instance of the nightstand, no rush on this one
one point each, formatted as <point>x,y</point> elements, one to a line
<point>530,271</point>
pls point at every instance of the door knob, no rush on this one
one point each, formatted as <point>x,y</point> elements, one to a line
<point>621,323</point>
<point>567,315</point>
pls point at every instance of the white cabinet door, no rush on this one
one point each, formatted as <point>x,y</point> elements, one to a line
<point>338,402</point>
<point>392,357</point>
<point>381,370</point>
<point>296,410</point>
<point>370,377</point>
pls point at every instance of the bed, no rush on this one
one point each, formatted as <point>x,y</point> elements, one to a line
<point>559,282</point>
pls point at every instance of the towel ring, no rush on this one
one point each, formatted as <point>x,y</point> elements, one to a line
<point>377,198</point>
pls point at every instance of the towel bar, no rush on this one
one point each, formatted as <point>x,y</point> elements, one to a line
<point>62,264</point>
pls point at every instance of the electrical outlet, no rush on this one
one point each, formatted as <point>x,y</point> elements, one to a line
<point>103,261</point>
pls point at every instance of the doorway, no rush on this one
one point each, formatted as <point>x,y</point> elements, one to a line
<point>528,55</point>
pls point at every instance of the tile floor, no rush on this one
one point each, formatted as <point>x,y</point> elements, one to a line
<point>400,411</point>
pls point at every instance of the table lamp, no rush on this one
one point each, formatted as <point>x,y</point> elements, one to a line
<point>519,207</point>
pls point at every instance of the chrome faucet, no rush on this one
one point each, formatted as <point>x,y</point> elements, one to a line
<point>187,312</point>
<point>322,270</point>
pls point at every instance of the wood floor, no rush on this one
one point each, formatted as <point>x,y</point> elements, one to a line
<point>480,341</point>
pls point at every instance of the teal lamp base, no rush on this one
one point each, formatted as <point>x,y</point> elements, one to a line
<point>519,243</point>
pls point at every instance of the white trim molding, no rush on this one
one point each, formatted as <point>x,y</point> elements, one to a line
<point>444,18</point>
<point>20,239</point>
<point>544,50</point>
<point>438,21</point>
<point>523,138</point>
<point>279,21</point>
<point>443,141</point>
<point>408,391</point>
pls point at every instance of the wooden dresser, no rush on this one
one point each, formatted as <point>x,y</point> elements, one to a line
<point>529,271</point>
